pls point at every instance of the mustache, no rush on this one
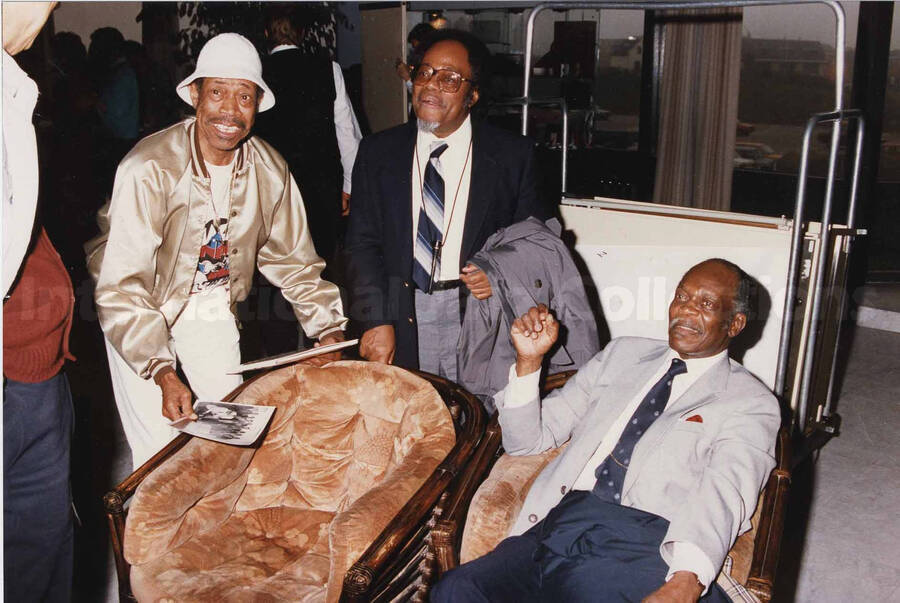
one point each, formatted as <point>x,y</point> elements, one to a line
<point>431,98</point>
<point>683,322</point>
<point>228,121</point>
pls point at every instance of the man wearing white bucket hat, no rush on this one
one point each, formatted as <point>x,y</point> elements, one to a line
<point>193,208</point>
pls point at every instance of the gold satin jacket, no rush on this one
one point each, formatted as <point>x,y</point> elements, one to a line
<point>145,257</point>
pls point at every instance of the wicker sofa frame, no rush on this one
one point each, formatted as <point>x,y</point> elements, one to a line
<point>398,565</point>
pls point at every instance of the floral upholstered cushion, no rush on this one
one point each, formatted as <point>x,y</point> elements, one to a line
<point>274,554</point>
<point>498,500</point>
<point>347,447</point>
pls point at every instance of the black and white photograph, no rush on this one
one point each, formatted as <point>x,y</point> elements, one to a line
<point>237,424</point>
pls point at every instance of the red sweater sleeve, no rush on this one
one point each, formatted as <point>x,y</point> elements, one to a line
<point>37,317</point>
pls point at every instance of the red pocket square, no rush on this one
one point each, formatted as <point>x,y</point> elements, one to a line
<point>695,419</point>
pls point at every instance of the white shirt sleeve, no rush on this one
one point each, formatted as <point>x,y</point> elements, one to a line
<point>20,168</point>
<point>345,125</point>
<point>521,390</point>
<point>688,557</point>
<point>11,258</point>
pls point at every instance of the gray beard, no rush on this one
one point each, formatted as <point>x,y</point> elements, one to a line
<point>427,126</point>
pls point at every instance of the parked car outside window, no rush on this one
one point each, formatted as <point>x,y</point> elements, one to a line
<point>761,155</point>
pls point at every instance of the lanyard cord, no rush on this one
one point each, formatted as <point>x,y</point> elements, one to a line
<point>444,231</point>
<point>217,222</point>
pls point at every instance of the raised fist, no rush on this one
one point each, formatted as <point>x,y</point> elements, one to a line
<point>533,334</point>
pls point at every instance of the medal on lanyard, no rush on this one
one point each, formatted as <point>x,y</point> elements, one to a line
<point>435,264</point>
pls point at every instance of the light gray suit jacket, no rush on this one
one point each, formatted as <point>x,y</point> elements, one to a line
<point>704,478</point>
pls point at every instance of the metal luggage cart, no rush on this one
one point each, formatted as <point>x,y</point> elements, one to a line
<point>816,297</point>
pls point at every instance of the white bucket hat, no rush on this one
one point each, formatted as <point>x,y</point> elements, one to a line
<point>232,56</point>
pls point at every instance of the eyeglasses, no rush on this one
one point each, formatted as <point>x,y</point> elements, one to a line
<point>447,79</point>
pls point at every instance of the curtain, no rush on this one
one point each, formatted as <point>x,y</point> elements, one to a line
<point>698,107</point>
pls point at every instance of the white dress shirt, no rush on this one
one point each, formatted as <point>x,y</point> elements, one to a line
<point>20,167</point>
<point>685,555</point>
<point>346,127</point>
<point>456,172</point>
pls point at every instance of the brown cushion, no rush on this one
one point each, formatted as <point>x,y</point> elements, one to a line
<point>348,446</point>
<point>276,554</point>
<point>498,500</point>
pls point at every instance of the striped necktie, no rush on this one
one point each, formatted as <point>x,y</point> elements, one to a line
<point>431,222</point>
<point>611,472</point>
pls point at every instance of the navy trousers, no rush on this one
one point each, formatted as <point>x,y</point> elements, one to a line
<point>37,511</point>
<point>584,550</point>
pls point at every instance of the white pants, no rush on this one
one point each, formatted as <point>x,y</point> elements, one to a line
<point>205,339</point>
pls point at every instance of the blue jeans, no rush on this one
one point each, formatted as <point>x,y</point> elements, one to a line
<point>37,509</point>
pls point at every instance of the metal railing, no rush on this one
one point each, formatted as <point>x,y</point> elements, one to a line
<point>836,116</point>
<point>523,102</point>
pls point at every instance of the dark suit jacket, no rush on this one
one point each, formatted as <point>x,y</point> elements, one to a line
<point>378,250</point>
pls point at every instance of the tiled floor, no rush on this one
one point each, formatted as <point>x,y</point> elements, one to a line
<point>884,296</point>
<point>843,531</point>
<point>879,306</point>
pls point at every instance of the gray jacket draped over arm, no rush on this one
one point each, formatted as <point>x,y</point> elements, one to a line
<point>527,264</point>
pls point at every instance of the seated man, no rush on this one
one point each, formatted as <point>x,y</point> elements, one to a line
<point>669,446</point>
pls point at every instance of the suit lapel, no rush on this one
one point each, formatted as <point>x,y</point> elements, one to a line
<point>481,189</point>
<point>399,191</point>
<point>713,382</point>
<point>623,386</point>
<point>702,392</point>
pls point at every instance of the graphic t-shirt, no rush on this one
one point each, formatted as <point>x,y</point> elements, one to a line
<point>212,264</point>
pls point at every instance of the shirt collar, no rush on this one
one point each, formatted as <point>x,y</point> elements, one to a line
<point>460,137</point>
<point>18,88</point>
<point>696,366</point>
<point>281,47</point>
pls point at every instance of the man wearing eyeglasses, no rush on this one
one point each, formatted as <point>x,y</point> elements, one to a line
<point>426,196</point>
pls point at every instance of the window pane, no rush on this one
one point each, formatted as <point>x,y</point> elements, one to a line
<point>788,63</point>
<point>565,61</point>
<point>617,90</point>
<point>889,168</point>
<point>788,70</point>
<point>884,244</point>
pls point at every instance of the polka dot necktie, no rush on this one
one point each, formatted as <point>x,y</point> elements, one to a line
<point>431,221</point>
<point>610,473</point>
